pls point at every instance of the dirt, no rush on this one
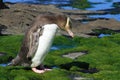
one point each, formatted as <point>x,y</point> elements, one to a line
<point>19,17</point>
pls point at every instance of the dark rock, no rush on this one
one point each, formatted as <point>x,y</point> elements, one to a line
<point>116,4</point>
<point>2,29</point>
<point>82,65</point>
<point>2,53</point>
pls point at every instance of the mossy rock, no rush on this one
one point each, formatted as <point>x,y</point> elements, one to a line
<point>82,4</point>
<point>103,54</point>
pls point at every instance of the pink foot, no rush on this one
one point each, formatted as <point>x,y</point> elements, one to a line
<point>38,71</point>
<point>46,69</point>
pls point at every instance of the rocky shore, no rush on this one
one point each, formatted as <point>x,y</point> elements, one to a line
<point>19,17</point>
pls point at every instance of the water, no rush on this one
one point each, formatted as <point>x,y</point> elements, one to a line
<point>101,4</point>
<point>65,4</point>
<point>96,4</point>
<point>54,48</point>
<point>61,47</point>
<point>107,16</point>
<point>40,1</point>
<point>3,65</point>
<point>68,8</point>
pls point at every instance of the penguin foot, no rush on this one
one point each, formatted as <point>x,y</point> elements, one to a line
<point>40,69</point>
<point>37,70</point>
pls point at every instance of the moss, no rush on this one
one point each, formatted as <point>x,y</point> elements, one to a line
<point>103,55</point>
<point>105,31</point>
<point>20,78</point>
<point>10,45</point>
<point>20,73</point>
<point>82,4</point>
<point>74,68</point>
<point>116,4</point>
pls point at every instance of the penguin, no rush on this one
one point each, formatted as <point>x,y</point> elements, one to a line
<point>38,40</point>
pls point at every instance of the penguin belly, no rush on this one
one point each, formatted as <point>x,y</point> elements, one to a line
<point>45,42</point>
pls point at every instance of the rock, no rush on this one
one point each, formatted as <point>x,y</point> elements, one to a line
<point>75,54</point>
<point>116,4</point>
<point>2,53</point>
<point>82,78</point>
<point>18,18</point>
<point>2,29</point>
<point>78,77</point>
<point>88,28</point>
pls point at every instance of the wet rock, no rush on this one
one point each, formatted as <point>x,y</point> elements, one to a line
<point>2,53</point>
<point>78,64</point>
<point>2,29</point>
<point>116,4</point>
<point>18,18</point>
<point>78,77</point>
<point>2,5</point>
<point>89,27</point>
<point>112,11</point>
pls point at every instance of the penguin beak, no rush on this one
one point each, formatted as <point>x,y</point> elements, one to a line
<point>67,27</point>
<point>70,33</point>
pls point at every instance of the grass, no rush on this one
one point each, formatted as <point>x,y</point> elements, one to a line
<point>103,55</point>
<point>9,45</point>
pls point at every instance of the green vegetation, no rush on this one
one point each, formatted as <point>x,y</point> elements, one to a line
<point>105,31</point>
<point>103,55</point>
<point>9,45</point>
<point>82,4</point>
<point>116,4</point>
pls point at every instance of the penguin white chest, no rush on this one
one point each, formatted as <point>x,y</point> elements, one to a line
<point>45,42</point>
